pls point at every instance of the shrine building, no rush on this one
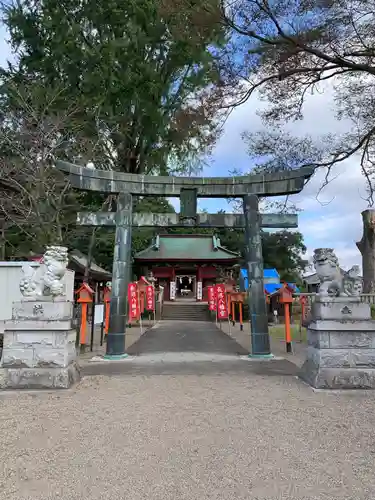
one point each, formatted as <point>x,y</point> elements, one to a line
<point>185,264</point>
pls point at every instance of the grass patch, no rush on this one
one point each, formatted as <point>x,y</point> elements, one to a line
<point>278,332</point>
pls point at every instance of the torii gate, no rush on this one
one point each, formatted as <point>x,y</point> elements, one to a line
<point>189,189</point>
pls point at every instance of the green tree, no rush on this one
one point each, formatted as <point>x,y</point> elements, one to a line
<point>137,85</point>
<point>142,74</point>
<point>284,251</point>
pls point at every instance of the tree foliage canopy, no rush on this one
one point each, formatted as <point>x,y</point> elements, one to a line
<point>287,49</point>
<point>130,85</point>
<point>141,74</point>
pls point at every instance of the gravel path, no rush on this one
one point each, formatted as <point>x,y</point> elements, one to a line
<point>183,437</point>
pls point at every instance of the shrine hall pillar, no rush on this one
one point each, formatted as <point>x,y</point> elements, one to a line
<point>260,340</point>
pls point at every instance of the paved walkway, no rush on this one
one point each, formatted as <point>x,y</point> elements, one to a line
<point>184,336</point>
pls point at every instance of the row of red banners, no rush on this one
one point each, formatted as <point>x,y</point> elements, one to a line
<point>134,300</point>
<point>217,301</point>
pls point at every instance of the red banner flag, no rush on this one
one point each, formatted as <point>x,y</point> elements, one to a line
<point>211,298</point>
<point>150,298</point>
<point>134,311</point>
<point>222,306</point>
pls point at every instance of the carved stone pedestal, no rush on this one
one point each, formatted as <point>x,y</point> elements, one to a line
<point>39,346</point>
<point>341,345</point>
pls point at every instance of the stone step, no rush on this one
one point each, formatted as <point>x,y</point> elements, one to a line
<point>186,312</point>
<point>185,315</point>
<point>186,318</point>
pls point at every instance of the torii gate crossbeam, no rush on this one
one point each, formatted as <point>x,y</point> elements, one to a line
<point>189,190</point>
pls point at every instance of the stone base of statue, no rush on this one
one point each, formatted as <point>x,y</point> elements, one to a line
<point>39,346</point>
<point>341,345</point>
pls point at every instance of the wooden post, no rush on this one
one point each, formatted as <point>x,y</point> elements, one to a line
<point>241,320</point>
<point>286,298</point>
<point>288,339</point>
<point>107,300</point>
<point>85,297</point>
<point>82,337</point>
<point>233,313</point>
<point>302,301</point>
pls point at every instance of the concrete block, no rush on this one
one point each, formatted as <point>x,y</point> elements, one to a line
<point>335,358</point>
<point>344,358</point>
<point>343,325</point>
<point>37,324</point>
<point>337,378</point>
<point>42,310</point>
<point>39,346</point>
<point>362,358</point>
<point>45,356</point>
<point>352,339</point>
<point>62,339</point>
<point>31,338</point>
<point>8,339</point>
<point>18,357</point>
<point>340,308</point>
<point>341,345</point>
<point>40,378</point>
<point>318,338</point>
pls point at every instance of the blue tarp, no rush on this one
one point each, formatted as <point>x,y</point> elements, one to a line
<point>269,287</point>
<point>272,287</point>
<point>267,274</point>
<point>294,287</point>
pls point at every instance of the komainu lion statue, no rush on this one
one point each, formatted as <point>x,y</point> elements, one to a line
<point>47,280</point>
<point>333,282</point>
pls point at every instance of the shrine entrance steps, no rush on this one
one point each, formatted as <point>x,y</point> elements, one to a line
<point>185,310</point>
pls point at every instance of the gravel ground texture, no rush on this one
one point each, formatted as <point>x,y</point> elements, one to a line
<point>188,436</point>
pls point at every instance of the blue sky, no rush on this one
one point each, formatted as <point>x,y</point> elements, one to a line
<point>333,220</point>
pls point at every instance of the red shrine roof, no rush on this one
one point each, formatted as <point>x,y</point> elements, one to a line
<point>187,247</point>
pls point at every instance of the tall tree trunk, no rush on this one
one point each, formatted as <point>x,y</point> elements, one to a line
<point>367,248</point>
